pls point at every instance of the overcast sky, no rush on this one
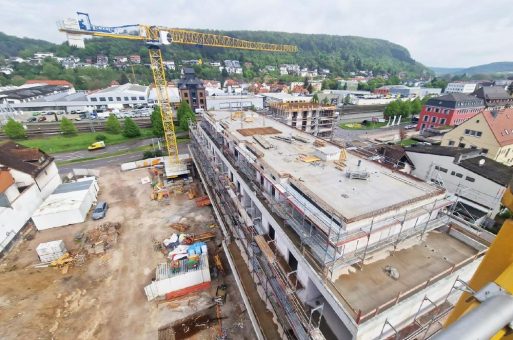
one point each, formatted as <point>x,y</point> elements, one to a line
<point>450,33</point>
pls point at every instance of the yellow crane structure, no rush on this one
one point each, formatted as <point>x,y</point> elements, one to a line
<point>486,310</point>
<point>155,37</point>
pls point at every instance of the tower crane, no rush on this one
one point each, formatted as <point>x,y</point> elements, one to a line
<point>156,37</point>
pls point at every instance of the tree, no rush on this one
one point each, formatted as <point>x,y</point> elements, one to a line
<point>112,125</point>
<point>182,109</point>
<point>67,127</point>
<point>510,88</point>
<point>14,129</point>
<point>392,109</point>
<point>156,122</point>
<point>123,79</point>
<point>402,133</point>
<point>347,99</point>
<point>224,73</point>
<point>405,108</point>
<point>131,129</point>
<point>185,115</point>
<point>309,88</point>
<point>416,106</point>
<point>325,101</point>
<point>315,98</point>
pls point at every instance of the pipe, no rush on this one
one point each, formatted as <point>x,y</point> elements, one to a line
<point>482,322</point>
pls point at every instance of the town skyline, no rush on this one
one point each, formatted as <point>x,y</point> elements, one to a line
<point>432,39</point>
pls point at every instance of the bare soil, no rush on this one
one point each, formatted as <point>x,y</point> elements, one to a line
<point>104,298</point>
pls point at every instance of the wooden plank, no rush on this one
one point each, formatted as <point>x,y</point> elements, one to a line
<point>264,246</point>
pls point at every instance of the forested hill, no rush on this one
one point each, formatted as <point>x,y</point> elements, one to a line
<point>339,54</point>
<point>11,46</point>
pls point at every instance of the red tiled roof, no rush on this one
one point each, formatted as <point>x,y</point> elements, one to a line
<point>49,82</point>
<point>6,179</point>
<point>501,124</point>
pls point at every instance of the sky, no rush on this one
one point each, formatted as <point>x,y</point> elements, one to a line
<point>443,33</point>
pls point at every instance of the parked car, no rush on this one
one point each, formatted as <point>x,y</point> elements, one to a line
<point>100,211</point>
<point>410,126</point>
<point>41,119</point>
<point>32,120</point>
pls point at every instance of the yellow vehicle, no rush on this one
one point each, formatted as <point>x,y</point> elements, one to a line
<point>96,146</point>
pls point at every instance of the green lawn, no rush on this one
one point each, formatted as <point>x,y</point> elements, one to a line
<point>81,141</point>
<point>359,126</point>
<point>408,142</point>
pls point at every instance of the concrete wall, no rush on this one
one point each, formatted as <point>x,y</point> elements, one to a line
<point>482,191</point>
<point>48,180</point>
<point>14,218</point>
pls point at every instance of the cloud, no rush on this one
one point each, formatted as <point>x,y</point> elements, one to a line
<point>437,33</point>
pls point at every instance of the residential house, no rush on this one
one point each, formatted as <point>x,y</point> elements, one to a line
<point>170,65</point>
<point>135,59</point>
<point>27,177</point>
<point>233,66</point>
<point>491,131</point>
<point>494,96</point>
<point>191,89</point>
<point>477,182</point>
<point>102,61</point>
<point>450,109</point>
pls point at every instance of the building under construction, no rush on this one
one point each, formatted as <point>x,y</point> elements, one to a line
<point>338,245</point>
<point>313,118</point>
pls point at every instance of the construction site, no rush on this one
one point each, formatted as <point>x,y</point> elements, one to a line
<point>339,246</point>
<point>314,118</point>
<point>93,287</point>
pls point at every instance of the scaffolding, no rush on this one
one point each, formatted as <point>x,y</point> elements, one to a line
<point>244,221</point>
<point>316,230</point>
<point>314,118</point>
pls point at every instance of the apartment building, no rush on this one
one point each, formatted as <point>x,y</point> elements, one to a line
<point>450,109</point>
<point>490,131</point>
<point>317,226</point>
<point>313,118</point>
<point>191,89</point>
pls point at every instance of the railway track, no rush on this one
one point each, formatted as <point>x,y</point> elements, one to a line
<point>53,128</point>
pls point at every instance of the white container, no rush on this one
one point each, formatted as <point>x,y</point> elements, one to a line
<point>50,251</point>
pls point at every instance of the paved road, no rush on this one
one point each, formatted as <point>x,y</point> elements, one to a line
<point>66,156</point>
<point>114,160</point>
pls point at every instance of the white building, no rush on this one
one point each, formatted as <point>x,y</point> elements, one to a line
<point>27,177</point>
<point>120,96</point>
<point>336,223</point>
<point>233,66</point>
<point>477,181</point>
<point>68,204</point>
<point>170,65</point>
<point>280,97</point>
<point>227,102</point>
<point>460,87</point>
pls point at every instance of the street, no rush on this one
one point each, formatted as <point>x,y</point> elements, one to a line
<point>114,160</point>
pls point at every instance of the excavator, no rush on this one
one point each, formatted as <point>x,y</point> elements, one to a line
<point>155,37</point>
<point>485,310</point>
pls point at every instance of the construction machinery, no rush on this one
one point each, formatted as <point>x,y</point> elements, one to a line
<point>156,37</point>
<point>485,309</point>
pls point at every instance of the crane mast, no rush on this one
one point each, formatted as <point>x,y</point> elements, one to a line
<point>155,37</point>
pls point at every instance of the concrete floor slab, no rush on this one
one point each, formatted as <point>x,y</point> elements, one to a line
<point>371,287</point>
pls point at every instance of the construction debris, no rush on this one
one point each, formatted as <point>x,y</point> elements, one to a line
<point>392,272</point>
<point>101,238</point>
<point>202,201</point>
